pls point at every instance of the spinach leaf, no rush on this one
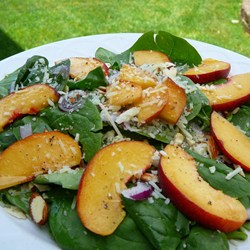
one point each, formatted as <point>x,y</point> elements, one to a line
<point>18,196</point>
<point>37,70</point>
<point>93,80</point>
<point>31,71</point>
<point>86,122</point>
<point>205,239</point>
<point>178,49</point>
<point>163,225</point>
<point>8,81</point>
<point>157,130</point>
<point>7,137</point>
<point>165,136</point>
<point>127,236</point>
<point>237,235</point>
<point>237,187</point>
<point>242,119</point>
<point>3,92</point>
<point>69,233</point>
<point>38,125</point>
<point>59,75</point>
<point>69,180</point>
<point>197,102</point>
<point>12,133</point>
<point>145,42</point>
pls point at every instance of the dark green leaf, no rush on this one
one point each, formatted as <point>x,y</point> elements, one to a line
<point>158,130</point>
<point>86,122</point>
<point>242,119</point>
<point>59,75</point>
<point>145,42</point>
<point>9,80</point>
<point>237,187</point>
<point>196,100</point>
<point>7,137</point>
<point>160,222</point>
<point>178,49</point>
<point>19,196</point>
<point>205,239</point>
<point>69,233</point>
<point>38,125</point>
<point>3,91</point>
<point>93,80</point>
<point>32,71</point>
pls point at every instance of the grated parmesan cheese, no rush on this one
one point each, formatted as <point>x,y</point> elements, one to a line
<point>230,175</point>
<point>127,115</point>
<point>121,167</point>
<point>77,137</point>
<point>110,120</point>
<point>212,169</point>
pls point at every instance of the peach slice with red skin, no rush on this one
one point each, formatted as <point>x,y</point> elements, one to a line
<point>149,57</point>
<point>152,102</point>
<point>130,73</point>
<point>194,197</point>
<point>98,200</point>
<point>232,141</point>
<point>227,96</point>
<point>37,154</point>
<point>29,100</point>
<point>176,103</point>
<point>80,67</point>
<point>208,71</point>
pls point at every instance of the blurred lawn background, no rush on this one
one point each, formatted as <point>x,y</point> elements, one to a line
<point>25,24</point>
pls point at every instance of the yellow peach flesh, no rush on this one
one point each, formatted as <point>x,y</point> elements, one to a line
<point>234,143</point>
<point>99,202</point>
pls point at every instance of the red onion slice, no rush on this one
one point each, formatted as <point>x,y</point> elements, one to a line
<point>25,130</point>
<point>72,101</point>
<point>141,191</point>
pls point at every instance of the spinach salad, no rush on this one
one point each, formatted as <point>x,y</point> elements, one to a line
<point>88,111</point>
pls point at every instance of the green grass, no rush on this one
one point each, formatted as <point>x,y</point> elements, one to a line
<point>29,23</point>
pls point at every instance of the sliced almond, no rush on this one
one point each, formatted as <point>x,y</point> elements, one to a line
<point>38,209</point>
<point>213,149</point>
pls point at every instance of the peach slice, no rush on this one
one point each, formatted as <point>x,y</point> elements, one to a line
<point>180,180</point>
<point>123,93</point>
<point>98,200</point>
<point>208,71</point>
<point>232,141</point>
<point>149,57</point>
<point>37,154</point>
<point>129,73</point>
<point>229,95</point>
<point>80,67</point>
<point>152,102</point>
<point>29,100</point>
<point>176,103</point>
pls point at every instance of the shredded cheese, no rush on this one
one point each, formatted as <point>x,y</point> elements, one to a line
<point>111,120</point>
<point>230,175</point>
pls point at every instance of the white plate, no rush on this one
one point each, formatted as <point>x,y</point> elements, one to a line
<point>22,234</point>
